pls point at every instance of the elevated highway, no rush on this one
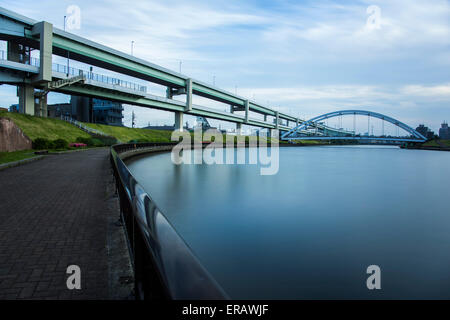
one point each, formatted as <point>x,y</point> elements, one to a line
<point>19,69</point>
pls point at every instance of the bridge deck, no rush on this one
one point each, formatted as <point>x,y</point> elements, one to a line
<point>53,213</point>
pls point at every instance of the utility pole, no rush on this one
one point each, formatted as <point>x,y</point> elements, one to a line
<point>133,119</point>
<point>68,66</point>
<point>132,44</point>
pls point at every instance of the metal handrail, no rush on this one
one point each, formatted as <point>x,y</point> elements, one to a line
<point>155,245</point>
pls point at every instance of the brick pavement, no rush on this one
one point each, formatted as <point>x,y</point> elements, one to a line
<point>54,213</point>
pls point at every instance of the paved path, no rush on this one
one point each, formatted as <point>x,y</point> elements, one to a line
<point>54,213</point>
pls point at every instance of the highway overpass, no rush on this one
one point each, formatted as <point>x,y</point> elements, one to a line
<point>31,74</point>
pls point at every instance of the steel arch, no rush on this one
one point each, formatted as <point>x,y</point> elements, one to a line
<point>396,122</point>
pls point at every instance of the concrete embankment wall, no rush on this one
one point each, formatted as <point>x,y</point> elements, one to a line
<point>12,137</point>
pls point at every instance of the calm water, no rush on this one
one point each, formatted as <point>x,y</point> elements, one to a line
<point>312,230</point>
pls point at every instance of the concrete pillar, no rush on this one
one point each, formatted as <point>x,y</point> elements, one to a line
<point>169,93</point>
<point>296,122</point>
<point>26,99</point>
<point>246,104</point>
<point>188,95</point>
<point>265,117</point>
<point>277,119</point>
<point>41,106</point>
<point>231,108</point>
<point>239,128</point>
<point>45,32</point>
<point>179,121</point>
<point>270,133</point>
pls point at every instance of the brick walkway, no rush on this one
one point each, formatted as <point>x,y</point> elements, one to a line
<point>54,213</point>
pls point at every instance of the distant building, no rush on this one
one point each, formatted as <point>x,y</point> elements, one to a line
<point>91,110</point>
<point>59,110</point>
<point>425,131</point>
<point>14,108</point>
<point>444,131</point>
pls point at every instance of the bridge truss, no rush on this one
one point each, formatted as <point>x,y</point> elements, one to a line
<point>309,130</point>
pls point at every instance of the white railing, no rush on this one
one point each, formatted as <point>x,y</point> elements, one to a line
<point>82,126</point>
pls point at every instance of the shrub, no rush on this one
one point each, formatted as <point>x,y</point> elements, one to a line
<point>106,141</point>
<point>60,144</point>
<point>96,142</point>
<point>41,144</point>
<point>83,140</point>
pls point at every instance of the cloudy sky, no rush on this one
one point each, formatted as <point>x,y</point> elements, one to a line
<point>300,57</point>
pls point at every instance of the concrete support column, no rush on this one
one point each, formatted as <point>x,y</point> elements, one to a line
<point>45,32</point>
<point>231,108</point>
<point>270,133</point>
<point>296,122</point>
<point>239,128</point>
<point>246,104</point>
<point>169,93</point>
<point>265,117</point>
<point>188,95</point>
<point>26,99</point>
<point>179,121</point>
<point>41,106</point>
<point>277,119</point>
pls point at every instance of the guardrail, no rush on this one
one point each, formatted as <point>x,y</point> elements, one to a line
<point>164,265</point>
<point>89,75</point>
<point>83,127</point>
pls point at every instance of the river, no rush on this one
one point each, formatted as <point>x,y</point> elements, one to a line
<point>311,230</point>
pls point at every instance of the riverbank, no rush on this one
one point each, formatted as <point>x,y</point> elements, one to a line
<point>435,145</point>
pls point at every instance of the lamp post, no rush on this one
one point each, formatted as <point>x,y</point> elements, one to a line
<point>67,50</point>
<point>132,45</point>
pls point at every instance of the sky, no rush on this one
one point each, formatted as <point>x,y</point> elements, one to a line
<point>304,58</point>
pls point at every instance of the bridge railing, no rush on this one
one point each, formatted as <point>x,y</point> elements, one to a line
<point>164,266</point>
<point>89,75</point>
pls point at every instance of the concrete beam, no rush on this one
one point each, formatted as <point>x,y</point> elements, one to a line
<point>45,32</point>
<point>179,121</point>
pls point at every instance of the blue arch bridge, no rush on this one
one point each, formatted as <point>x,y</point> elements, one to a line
<point>310,130</point>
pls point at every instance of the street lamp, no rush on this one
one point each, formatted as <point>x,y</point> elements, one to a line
<point>67,50</point>
<point>132,44</point>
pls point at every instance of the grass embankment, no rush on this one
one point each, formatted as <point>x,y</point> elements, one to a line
<point>45,128</point>
<point>437,143</point>
<point>6,157</point>
<point>125,134</point>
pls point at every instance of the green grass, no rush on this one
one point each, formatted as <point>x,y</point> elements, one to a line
<point>47,128</point>
<point>16,156</point>
<point>434,143</point>
<point>124,134</point>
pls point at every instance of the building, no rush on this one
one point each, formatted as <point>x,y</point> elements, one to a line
<point>59,110</point>
<point>444,131</point>
<point>91,110</point>
<point>107,112</point>
<point>14,108</point>
<point>425,131</point>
